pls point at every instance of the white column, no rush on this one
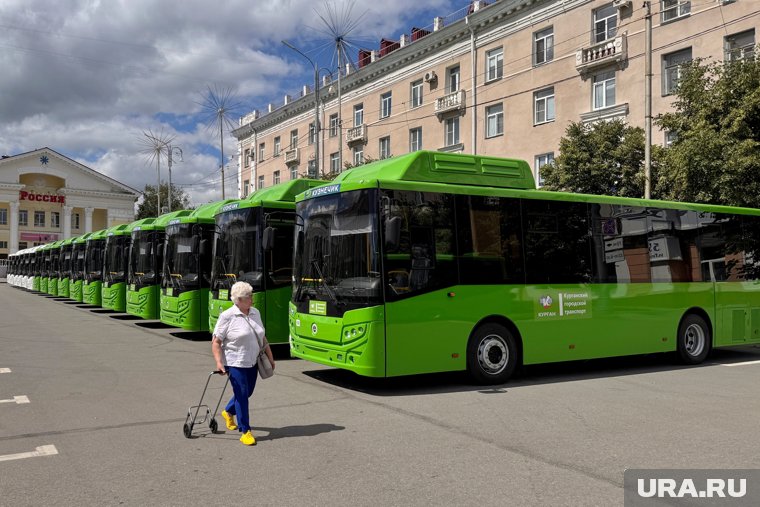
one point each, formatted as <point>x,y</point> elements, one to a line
<point>14,228</point>
<point>109,215</point>
<point>88,219</point>
<point>67,221</point>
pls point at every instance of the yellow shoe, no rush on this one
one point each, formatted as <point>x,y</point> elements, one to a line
<point>230,420</point>
<point>247,438</point>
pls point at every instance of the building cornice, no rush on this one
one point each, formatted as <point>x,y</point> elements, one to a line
<point>78,192</point>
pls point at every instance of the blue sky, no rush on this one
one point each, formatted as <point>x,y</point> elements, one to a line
<point>88,78</point>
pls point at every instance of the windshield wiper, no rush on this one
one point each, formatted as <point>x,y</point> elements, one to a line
<point>330,292</point>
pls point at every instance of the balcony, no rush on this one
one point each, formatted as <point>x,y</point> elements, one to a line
<point>613,51</point>
<point>356,134</point>
<point>452,102</point>
<point>293,156</point>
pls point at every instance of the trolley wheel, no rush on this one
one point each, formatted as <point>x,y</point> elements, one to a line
<point>212,424</point>
<point>187,430</point>
<point>492,354</point>
<point>694,339</point>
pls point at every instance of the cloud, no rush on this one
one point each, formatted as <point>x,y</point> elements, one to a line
<point>87,77</point>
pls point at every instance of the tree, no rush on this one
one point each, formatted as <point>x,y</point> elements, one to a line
<point>604,158</point>
<point>147,208</point>
<point>715,157</point>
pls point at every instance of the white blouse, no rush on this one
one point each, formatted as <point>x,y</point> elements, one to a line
<point>239,342</point>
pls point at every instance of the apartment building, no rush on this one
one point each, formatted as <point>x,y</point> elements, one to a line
<point>502,79</point>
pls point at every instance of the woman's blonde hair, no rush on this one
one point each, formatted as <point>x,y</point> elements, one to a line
<point>240,290</point>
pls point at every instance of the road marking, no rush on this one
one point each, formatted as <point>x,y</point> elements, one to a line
<point>740,364</point>
<point>5,370</point>
<point>17,400</point>
<point>43,450</point>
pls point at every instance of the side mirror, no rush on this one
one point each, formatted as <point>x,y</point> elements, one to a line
<point>392,232</point>
<point>267,240</point>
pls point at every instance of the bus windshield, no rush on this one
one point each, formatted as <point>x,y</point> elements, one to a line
<point>116,259</point>
<point>337,252</point>
<point>93,259</point>
<point>143,259</point>
<point>77,261</point>
<point>181,261</point>
<point>65,261</point>
<point>236,255</point>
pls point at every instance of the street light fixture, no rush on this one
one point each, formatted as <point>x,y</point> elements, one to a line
<point>170,150</point>
<point>316,104</point>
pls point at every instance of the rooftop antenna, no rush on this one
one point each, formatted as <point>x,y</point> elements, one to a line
<point>154,145</point>
<point>218,108</point>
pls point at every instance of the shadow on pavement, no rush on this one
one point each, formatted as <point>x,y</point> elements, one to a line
<point>309,430</point>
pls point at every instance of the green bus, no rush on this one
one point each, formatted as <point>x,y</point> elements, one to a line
<point>239,254</point>
<point>186,271</point>
<point>436,262</point>
<point>145,263</point>
<point>92,282</point>
<point>64,267</point>
<point>44,262</point>
<point>115,259</point>
<point>76,275</point>
<point>55,266</point>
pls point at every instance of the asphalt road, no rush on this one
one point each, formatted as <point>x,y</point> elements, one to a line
<point>111,397</point>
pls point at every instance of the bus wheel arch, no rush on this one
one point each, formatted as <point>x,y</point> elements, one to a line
<point>494,350</point>
<point>695,336</point>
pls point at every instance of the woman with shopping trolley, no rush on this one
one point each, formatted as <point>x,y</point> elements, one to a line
<point>236,344</point>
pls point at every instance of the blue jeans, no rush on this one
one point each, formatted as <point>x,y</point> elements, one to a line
<point>243,382</point>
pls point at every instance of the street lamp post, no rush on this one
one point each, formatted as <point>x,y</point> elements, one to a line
<point>170,151</point>
<point>316,105</point>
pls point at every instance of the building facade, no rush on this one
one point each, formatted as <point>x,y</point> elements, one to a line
<point>45,196</point>
<point>500,79</point>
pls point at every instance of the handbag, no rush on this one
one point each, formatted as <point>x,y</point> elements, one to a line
<point>266,369</point>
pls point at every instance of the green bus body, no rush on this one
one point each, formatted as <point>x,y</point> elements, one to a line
<point>64,271</point>
<point>55,262</point>
<point>76,275</point>
<point>44,260</point>
<point>435,262</point>
<point>92,282</point>
<point>239,256</point>
<point>37,270</point>
<point>145,264</point>
<point>187,268</point>
<point>115,258</point>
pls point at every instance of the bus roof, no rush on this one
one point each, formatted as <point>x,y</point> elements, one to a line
<point>202,214</point>
<point>83,238</point>
<point>435,167</point>
<point>280,195</point>
<point>119,230</point>
<point>68,241</point>
<point>95,235</point>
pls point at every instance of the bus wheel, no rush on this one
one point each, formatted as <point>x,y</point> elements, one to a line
<point>693,339</point>
<point>491,354</point>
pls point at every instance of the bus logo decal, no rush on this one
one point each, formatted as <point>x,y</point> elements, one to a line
<point>318,307</point>
<point>314,329</point>
<point>327,189</point>
<point>228,207</point>
<point>546,301</point>
<point>571,304</point>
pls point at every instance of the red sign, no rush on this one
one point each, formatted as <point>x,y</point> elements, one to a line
<point>39,236</point>
<point>31,196</point>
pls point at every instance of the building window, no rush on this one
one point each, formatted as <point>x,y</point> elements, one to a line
<point>311,168</point>
<point>4,245</point>
<point>277,147</point>
<point>22,245</point>
<point>76,220</point>
<point>55,219</point>
<point>452,131</point>
<point>246,187</point>
<point>358,155</point>
<point>247,157</point>
<point>334,125</point>
<point>604,90</point>
<point>276,178</point>
<point>494,64</point>
<point>605,23</point>
<point>23,217</point>
<point>385,147</point>
<point>39,219</point>
<point>452,80</point>
<point>334,163</point>
<point>740,46</point>
<point>543,46</point>
<point>543,106</point>
<point>294,172</point>
<point>541,161</point>
<point>3,216</point>
<point>670,138</point>
<point>261,182</point>
<point>674,9</point>
<point>672,69</point>
<point>415,139</point>
<point>261,152</point>
<point>494,120</point>
<point>416,94</point>
<point>358,115</point>
<point>312,133</point>
<point>294,139</point>
<point>385,105</point>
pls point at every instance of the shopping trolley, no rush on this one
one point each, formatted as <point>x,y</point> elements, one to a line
<point>205,414</point>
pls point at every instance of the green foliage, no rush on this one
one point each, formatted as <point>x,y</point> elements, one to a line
<point>147,208</point>
<point>716,121</point>
<point>604,158</point>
